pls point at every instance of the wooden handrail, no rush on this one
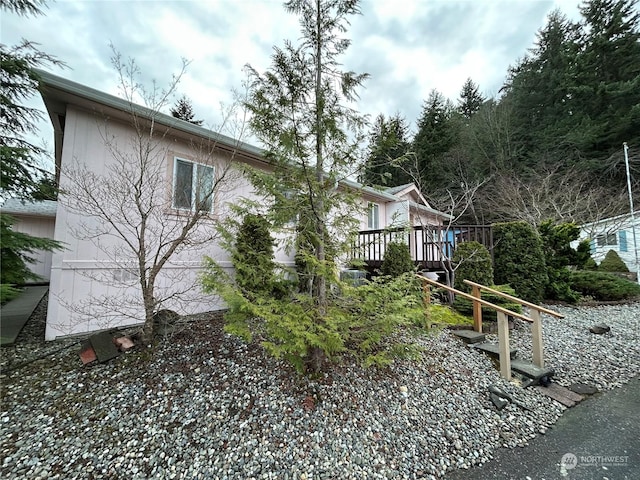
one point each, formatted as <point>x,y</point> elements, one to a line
<point>497,308</point>
<point>503,326</point>
<point>514,299</point>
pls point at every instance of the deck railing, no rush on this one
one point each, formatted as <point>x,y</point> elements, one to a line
<point>429,245</point>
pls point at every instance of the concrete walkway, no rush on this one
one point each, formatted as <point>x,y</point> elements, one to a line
<point>15,313</point>
<point>597,439</point>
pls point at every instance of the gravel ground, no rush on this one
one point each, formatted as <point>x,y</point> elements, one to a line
<point>205,405</point>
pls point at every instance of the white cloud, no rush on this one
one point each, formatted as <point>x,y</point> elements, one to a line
<point>408,47</point>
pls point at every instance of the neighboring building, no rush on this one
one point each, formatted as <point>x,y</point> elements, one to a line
<point>37,219</point>
<point>87,124</point>
<point>615,233</point>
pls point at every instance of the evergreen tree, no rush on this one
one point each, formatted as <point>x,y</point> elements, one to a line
<point>470,99</point>
<point>301,114</point>
<point>253,256</point>
<point>540,90</point>
<point>183,109</point>
<point>22,177</point>
<point>608,72</point>
<point>386,162</point>
<point>437,134</point>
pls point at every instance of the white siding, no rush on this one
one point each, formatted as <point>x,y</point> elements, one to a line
<point>84,273</point>
<point>42,227</point>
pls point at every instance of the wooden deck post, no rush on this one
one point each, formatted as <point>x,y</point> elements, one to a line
<point>503,344</point>
<point>536,341</point>
<point>477,310</point>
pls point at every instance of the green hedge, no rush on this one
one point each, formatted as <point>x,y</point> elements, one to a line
<point>519,260</point>
<point>473,262</point>
<point>603,286</point>
<point>465,307</point>
<point>612,263</point>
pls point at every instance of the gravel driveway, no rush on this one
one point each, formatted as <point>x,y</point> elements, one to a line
<point>205,405</point>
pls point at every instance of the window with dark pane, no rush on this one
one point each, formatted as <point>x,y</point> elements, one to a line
<point>183,184</point>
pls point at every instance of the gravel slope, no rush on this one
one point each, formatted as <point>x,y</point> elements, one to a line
<point>205,405</point>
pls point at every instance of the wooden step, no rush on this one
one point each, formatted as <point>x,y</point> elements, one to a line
<point>494,350</point>
<point>530,370</point>
<point>560,394</point>
<point>469,336</point>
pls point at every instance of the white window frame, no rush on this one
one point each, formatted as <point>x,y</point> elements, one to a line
<point>194,186</point>
<point>289,195</point>
<point>607,239</point>
<point>373,216</point>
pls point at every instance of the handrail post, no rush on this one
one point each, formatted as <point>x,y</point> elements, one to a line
<point>536,340</point>
<point>503,344</point>
<point>477,310</point>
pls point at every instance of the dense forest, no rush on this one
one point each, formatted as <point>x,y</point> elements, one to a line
<point>549,146</point>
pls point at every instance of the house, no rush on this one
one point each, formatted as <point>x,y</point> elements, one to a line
<point>93,282</point>
<point>38,220</point>
<point>620,233</point>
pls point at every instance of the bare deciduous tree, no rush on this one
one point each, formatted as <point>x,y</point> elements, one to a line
<point>138,218</point>
<point>562,197</point>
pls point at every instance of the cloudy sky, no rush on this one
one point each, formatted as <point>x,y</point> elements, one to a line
<point>409,47</point>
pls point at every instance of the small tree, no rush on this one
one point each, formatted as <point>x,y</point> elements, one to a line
<point>183,109</point>
<point>253,256</point>
<point>130,203</point>
<point>397,260</point>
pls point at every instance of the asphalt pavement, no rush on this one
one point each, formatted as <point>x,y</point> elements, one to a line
<point>597,439</point>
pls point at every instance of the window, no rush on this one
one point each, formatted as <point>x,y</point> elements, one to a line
<point>192,186</point>
<point>374,216</point>
<point>291,203</point>
<point>605,239</point>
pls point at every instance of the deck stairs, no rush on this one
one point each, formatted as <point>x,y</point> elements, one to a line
<point>532,374</point>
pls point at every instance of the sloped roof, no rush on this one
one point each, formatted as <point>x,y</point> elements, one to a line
<point>57,91</point>
<point>43,208</point>
<point>399,188</point>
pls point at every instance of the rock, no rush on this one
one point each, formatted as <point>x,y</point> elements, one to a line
<point>499,402</point>
<point>123,343</point>
<point>600,329</point>
<point>583,389</point>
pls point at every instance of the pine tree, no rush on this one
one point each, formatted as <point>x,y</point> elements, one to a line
<point>22,177</point>
<point>386,162</point>
<point>301,114</point>
<point>470,99</point>
<point>437,134</point>
<point>183,109</point>
<point>608,72</point>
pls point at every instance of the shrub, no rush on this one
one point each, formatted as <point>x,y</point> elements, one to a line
<point>465,307</point>
<point>8,292</point>
<point>519,260</point>
<point>558,255</point>
<point>612,263</point>
<point>583,256</point>
<point>443,315</point>
<point>253,256</point>
<point>360,321</point>
<point>603,286</point>
<point>473,262</point>
<point>397,260</point>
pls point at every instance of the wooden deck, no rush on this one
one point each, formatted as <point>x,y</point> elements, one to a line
<point>429,245</point>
